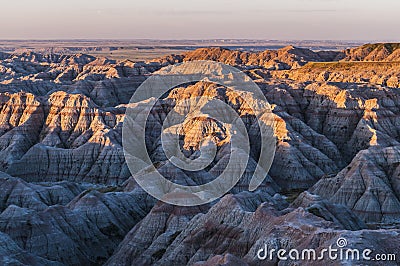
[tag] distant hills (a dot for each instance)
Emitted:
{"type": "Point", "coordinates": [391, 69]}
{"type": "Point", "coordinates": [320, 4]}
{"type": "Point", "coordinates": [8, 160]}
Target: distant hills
{"type": "Point", "coordinates": [289, 57]}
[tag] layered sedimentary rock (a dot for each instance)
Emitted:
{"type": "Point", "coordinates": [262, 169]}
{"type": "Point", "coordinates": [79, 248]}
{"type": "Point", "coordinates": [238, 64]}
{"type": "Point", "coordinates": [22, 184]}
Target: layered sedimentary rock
{"type": "Point", "coordinates": [374, 52]}
{"type": "Point", "coordinates": [12, 254]}
{"type": "Point", "coordinates": [84, 231]}
{"type": "Point", "coordinates": [377, 73]}
{"type": "Point", "coordinates": [68, 198]}
{"type": "Point", "coordinates": [39, 135]}
{"type": "Point", "coordinates": [106, 82]}
{"type": "Point", "coordinates": [16, 191]}
{"type": "Point", "coordinates": [233, 231]}
{"type": "Point", "coordinates": [337, 213]}
{"type": "Point", "coordinates": [286, 58]}
{"type": "Point", "coordinates": [369, 186]}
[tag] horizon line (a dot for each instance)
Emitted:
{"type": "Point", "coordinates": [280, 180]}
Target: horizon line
{"type": "Point", "coordinates": [191, 39]}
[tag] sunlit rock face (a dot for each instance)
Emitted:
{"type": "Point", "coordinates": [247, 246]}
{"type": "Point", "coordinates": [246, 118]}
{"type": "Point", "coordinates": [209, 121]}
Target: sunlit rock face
{"type": "Point", "coordinates": [64, 137]}
{"type": "Point", "coordinates": [374, 52]}
{"type": "Point", "coordinates": [67, 196]}
{"type": "Point", "coordinates": [286, 58]}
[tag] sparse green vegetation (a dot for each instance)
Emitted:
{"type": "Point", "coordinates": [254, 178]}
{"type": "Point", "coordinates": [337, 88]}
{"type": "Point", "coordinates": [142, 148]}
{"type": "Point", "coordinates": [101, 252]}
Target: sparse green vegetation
{"type": "Point", "coordinates": [342, 65]}
{"type": "Point", "coordinates": [388, 46]}
{"type": "Point", "coordinates": [292, 194]}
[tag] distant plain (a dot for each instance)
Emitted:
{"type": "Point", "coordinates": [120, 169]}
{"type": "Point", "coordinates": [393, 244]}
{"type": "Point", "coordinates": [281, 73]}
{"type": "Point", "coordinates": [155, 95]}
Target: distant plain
{"type": "Point", "coordinates": [142, 50]}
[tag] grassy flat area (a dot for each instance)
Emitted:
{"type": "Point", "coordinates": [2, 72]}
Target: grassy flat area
{"type": "Point", "coordinates": [136, 54]}
{"type": "Point", "coordinates": [347, 64]}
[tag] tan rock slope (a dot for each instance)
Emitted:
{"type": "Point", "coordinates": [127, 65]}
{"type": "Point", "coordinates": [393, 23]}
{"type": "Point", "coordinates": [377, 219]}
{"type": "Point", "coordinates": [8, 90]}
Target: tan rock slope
{"type": "Point", "coordinates": [285, 58]}
{"type": "Point", "coordinates": [378, 73]}
{"type": "Point", "coordinates": [374, 52]}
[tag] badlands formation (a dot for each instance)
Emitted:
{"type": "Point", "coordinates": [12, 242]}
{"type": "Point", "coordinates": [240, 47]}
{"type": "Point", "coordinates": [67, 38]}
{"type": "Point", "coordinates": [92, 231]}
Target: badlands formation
{"type": "Point", "coordinates": [68, 198]}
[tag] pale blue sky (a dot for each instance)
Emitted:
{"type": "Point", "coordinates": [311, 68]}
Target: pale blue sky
{"type": "Point", "coordinates": [205, 19]}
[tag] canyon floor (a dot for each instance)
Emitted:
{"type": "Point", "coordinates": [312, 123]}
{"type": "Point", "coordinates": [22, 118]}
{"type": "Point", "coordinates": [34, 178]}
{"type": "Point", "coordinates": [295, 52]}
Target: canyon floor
{"type": "Point", "coordinates": [67, 196]}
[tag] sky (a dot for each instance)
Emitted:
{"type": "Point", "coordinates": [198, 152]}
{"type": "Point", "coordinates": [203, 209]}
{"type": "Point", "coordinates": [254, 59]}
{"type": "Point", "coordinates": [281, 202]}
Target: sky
{"type": "Point", "coordinates": [205, 19]}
